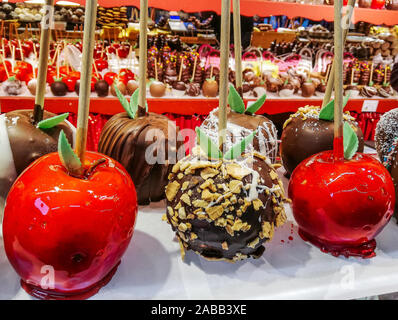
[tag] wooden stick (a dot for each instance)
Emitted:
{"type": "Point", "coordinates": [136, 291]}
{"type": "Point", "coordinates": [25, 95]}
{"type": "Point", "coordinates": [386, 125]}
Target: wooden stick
{"type": "Point", "coordinates": [143, 56]}
{"type": "Point", "coordinates": [238, 47]}
{"type": "Point", "coordinates": [43, 62]}
{"type": "Point", "coordinates": [156, 69]}
{"type": "Point", "coordinates": [194, 68]}
{"type": "Point", "coordinates": [224, 59]}
{"type": "Point", "coordinates": [85, 82]}
{"type": "Point", "coordinates": [371, 74]}
{"type": "Point", "coordinates": [180, 74]}
{"type": "Point", "coordinates": [20, 50]}
{"type": "Point", "coordinates": [5, 65]}
{"type": "Point", "coordinates": [352, 75]}
{"type": "Point", "coordinates": [330, 80]}
{"type": "Point", "coordinates": [338, 82]}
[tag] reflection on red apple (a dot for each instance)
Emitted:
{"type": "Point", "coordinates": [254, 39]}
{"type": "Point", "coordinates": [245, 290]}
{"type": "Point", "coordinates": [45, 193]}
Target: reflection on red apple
{"type": "Point", "coordinates": [80, 227]}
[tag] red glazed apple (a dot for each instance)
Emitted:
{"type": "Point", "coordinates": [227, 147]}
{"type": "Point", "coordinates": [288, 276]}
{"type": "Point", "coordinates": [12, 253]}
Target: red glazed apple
{"type": "Point", "coordinates": [341, 206]}
{"type": "Point", "coordinates": [74, 228]}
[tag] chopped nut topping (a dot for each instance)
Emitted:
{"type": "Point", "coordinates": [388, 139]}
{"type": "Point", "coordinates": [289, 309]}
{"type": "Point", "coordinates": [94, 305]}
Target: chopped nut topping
{"type": "Point", "coordinates": [236, 171]}
{"type": "Point", "coordinates": [225, 245]}
{"type": "Point", "coordinates": [235, 185]}
{"type": "Point", "coordinates": [164, 217]}
{"type": "Point", "coordinates": [186, 199]}
{"type": "Point", "coordinates": [171, 190]}
{"type": "Point", "coordinates": [176, 167]}
{"type": "Point", "coordinates": [273, 175]}
{"type": "Point", "coordinates": [170, 211]}
{"type": "Point", "coordinates": [182, 227]}
{"type": "Point", "coordinates": [267, 229]}
{"type": "Point", "coordinates": [208, 173]}
{"type": "Point", "coordinates": [280, 218]}
{"type": "Point", "coordinates": [181, 213]}
{"type": "Point", "coordinates": [185, 185]}
{"type": "Point", "coordinates": [229, 230]}
{"type": "Point", "coordinates": [180, 175]}
{"type": "Point", "coordinates": [257, 204]}
{"type": "Point", "coordinates": [190, 216]}
{"type": "Point", "coordinates": [200, 203]}
{"type": "Point", "coordinates": [178, 206]}
{"type": "Point", "coordinates": [193, 236]}
{"type": "Point", "coordinates": [254, 243]}
{"type": "Point", "coordinates": [215, 212]}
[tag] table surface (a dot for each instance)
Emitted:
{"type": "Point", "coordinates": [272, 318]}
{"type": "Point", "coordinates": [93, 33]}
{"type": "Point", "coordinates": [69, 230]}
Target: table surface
{"type": "Point", "coordinates": [289, 269]}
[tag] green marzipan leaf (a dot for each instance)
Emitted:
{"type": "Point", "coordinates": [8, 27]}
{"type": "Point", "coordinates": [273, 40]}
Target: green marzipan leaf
{"type": "Point", "coordinates": [68, 157]}
{"type": "Point", "coordinates": [207, 145]}
{"type": "Point", "coordinates": [52, 122]}
{"type": "Point", "coordinates": [124, 102]}
{"type": "Point", "coordinates": [239, 147]}
{"type": "Point", "coordinates": [134, 102]}
{"type": "Point", "coordinates": [235, 101]}
{"type": "Point", "coordinates": [350, 141]}
{"type": "Point", "coordinates": [252, 109]}
{"type": "Point", "coordinates": [327, 112]}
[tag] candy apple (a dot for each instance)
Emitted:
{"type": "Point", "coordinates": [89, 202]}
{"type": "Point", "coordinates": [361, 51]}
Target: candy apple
{"type": "Point", "coordinates": [125, 75]}
{"type": "Point", "coordinates": [341, 206]}
{"type": "Point", "coordinates": [65, 235]}
{"type": "Point", "coordinates": [378, 4]}
{"type": "Point", "coordinates": [110, 77]}
{"type": "Point", "coordinates": [123, 51]}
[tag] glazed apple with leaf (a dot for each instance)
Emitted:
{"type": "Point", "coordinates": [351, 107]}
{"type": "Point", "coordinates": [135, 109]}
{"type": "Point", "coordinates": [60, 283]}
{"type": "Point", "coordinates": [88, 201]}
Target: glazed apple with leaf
{"type": "Point", "coordinates": [74, 219]}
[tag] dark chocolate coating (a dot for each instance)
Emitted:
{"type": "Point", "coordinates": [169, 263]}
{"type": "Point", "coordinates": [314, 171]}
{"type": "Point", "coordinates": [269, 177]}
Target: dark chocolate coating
{"type": "Point", "coordinates": [59, 88]}
{"type": "Point", "coordinates": [29, 143]}
{"type": "Point", "coordinates": [102, 88]}
{"type": "Point", "coordinates": [208, 236]}
{"type": "Point", "coordinates": [304, 138]}
{"type": "Point", "coordinates": [124, 139]}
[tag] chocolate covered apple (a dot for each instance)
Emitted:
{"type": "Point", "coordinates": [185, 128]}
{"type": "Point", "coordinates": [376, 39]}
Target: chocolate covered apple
{"type": "Point", "coordinates": [157, 89]}
{"type": "Point", "coordinates": [74, 228]}
{"type": "Point", "coordinates": [307, 132]}
{"type": "Point", "coordinates": [59, 88]}
{"type": "Point", "coordinates": [224, 208]}
{"type": "Point", "coordinates": [386, 140]}
{"type": "Point", "coordinates": [241, 122]}
{"type": "Point", "coordinates": [127, 138]}
{"type": "Point", "coordinates": [210, 88]}
{"type": "Point", "coordinates": [101, 87]}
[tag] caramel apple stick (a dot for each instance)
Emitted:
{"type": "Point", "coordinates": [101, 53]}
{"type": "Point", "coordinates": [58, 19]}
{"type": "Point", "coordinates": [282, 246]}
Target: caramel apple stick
{"type": "Point", "coordinates": [20, 50]}
{"type": "Point", "coordinates": [224, 59]}
{"type": "Point", "coordinates": [338, 82]}
{"type": "Point", "coordinates": [330, 79]}
{"type": "Point", "coordinates": [85, 82]}
{"type": "Point", "coordinates": [211, 71]}
{"type": "Point", "coordinates": [238, 47]}
{"type": "Point", "coordinates": [371, 74]}
{"type": "Point", "coordinates": [180, 74]}
{"type": "Point", "coordinates": [43, 61]}
{"type": "Point", "coordinates": [385, 74]}
{"type": "Point", "coordinates": [352, 75]}
{"type": "Point", "coordinates": [5, 66]}
{"type": "Point", "coordinates": [194, 68]}
{"type": "Point", "coordinates": [143, 57]}
{"type": "Point", "coordinates": [156, 69]}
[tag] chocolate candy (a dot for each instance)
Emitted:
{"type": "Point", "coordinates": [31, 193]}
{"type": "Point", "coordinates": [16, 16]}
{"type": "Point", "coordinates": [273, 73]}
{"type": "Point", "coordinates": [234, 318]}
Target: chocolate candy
{"type": "Point", "coordinates": [101, 87]}
{"type": "Point", "coordinates": [127, 140]}
{"type": "Point", "coordinates": [224, 210]}
{"type": "Point", "coordinates": [59, 88]}
{"type": "Point", "coordinates": [305, 135]}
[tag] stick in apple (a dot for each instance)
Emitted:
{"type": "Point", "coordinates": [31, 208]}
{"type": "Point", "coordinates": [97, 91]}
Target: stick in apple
{"type": "Point", "coordinates": [182, 64]}
{"type": "Point", "coordinates": [238, 47]}
{"type": "Point", "coordinates": [43, 62]}
{"type": "Point", "coordinates": [224, 59]}
{"type": "Point", "coordinates": [143, 57]}
{"type": "Point", "coordinates": [330, 80]}
{"type": "Point", "coordinates": [338, 82]}
{"type": "Point", "coordinates": [194, 68]}
{"type": "Point", "coordinates": [85, 82]}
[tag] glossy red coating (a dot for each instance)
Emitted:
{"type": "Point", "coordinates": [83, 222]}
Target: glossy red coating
{"type": "Point", "coordinates": [79, 227]}
{"type": "Point", "coordinates": [342, 206]}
